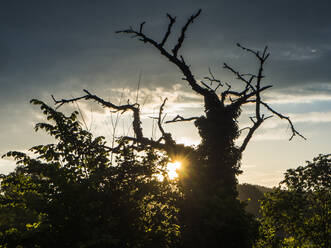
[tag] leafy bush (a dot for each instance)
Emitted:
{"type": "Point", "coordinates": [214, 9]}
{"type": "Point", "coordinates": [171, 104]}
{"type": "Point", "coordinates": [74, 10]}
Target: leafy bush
{"type": "Point", "coordinates": [298, 212]}
{"type": "Point", "coordinates": [71, 195]}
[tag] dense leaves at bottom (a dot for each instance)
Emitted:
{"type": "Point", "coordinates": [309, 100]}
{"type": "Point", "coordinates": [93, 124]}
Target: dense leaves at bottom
{"type": "Point", "coordinates": [70, 194]}
{"type": "Point", "coordinates": [298, 212]}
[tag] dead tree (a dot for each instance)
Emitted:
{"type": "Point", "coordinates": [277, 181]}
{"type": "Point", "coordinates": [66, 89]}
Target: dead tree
{"type": "Point", "coordinates": [213, 166]}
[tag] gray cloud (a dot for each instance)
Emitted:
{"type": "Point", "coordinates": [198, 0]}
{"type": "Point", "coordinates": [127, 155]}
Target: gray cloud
{"type": "Point", "coordinates": [46, 43]}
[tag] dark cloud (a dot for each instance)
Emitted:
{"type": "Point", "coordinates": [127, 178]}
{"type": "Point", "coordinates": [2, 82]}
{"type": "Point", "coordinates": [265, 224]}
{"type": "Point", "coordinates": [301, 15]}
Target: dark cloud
{"type": "Point", "coordinates": [47, 43]}
{"type": "Point", "coordinates": [61, 47]}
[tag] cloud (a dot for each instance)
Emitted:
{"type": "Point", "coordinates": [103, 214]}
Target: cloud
{"type": "Point", "coordinates": [312, 117]}
{"type": "Point", "coordinates": [265, 178]}
{"type": "Point", "coordinates": [76, 41]}
{"type": "Point", "coordinates": [6, 166]}
{"type": "Point", "coordinates": [306, 118]}
{"type": "Point", "coordinates": [286, 98]}
{"type": "Point", "coordinates": [307, 94]}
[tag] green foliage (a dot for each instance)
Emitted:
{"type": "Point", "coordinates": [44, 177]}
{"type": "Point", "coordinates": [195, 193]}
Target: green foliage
{"type": "Point", "coordinates": [298, 212]}
{"type": "Point", "coordinates": [71, 195]}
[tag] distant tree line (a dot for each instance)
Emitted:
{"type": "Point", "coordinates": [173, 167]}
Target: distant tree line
{"type": "Point", "coordinates": [252, 195]}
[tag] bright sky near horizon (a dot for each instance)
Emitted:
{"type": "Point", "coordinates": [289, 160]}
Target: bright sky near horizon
{"type": "Point", "coordinates": [61, 47]}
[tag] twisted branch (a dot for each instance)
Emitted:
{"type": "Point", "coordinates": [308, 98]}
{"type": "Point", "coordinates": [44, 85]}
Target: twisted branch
{"type": "Point", "coordinates": [179, 118]}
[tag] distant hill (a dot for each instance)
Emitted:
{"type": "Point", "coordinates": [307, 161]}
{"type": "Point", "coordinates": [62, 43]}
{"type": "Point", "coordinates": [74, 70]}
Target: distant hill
{"type": "Point", "coordinates": [252, 193]}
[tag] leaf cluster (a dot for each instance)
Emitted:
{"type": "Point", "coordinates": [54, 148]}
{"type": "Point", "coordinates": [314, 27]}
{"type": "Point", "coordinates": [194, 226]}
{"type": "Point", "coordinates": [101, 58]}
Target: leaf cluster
{"type": "Point", "coordinates": [69, 194]}
{"type": "Point", "coordinates": [298, 212]}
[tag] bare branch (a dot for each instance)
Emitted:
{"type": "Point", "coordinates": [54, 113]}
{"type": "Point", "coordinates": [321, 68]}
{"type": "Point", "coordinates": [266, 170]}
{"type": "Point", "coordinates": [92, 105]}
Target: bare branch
{"type": "Point", "coordinates": [182, 35]}
{"type": "Point", "coordinates": [172, 21]}
{"type": "Point", "coordinates": [243, 96]}
{"type": "Point", "coordinates": [166, 136]}
{"type": "Point", "coordinates": [180, 63]}
{"type": "Point", "coordinates": [141, 27]}
{"type": "Point", "coordinates": [160, 119]}
{"type": "Point", "coordinates": [250, 134]}
{"type": "Point", "coordinates": [256, 125]}
{"type": "Point", "coordinates": [256, 92]}
{"type": "Point", "coordinates": [241, 130]}
{"type": "Point", "coordinates": [294, 131]}
{"type": "Point", "coordinates": [239, 76]}
{"type": "Point", "coordinates": [264, 56]}
{"type": "Point", "coordinates": [212, 78]}
{"type": "Point", "coordinates": [256, 53]}
{"type": "Point", "coordinates": [206, 85]}
{"type": "Point", "coordinates": [133, 107]}
{"type": "Point", "coordinates": [179, 118]}
{"type": "Point", "coordinates": [227, 92]}
{"type": "Point", "coordinates": [63, 101]}
{"type": "Point", "coordinates": [169, 146]}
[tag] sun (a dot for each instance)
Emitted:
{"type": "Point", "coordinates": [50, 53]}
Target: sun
{"type": "Point", "coordinates": [172, 168]}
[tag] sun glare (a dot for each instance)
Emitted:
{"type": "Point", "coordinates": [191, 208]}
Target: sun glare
{"type": "Point", "coordinates": [172, 169]}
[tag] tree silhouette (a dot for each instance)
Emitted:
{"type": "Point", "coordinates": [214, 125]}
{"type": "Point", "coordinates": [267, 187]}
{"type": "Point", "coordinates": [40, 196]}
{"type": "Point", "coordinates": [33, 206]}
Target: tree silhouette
{"type": "Point", "coordinates": [71, 194]}
{"type": "Point", "coordinates": [210, 213]}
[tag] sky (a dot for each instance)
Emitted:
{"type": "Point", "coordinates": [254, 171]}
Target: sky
{"type": "Point", "coordinates": [62, 47]}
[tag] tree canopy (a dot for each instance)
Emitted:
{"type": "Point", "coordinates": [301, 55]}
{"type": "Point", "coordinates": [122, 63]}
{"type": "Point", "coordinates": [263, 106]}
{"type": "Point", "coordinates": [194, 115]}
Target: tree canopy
{"type": "Point", "coordinates": [298, 212]}
{"type": "Point", "coordinates": [71, 195]}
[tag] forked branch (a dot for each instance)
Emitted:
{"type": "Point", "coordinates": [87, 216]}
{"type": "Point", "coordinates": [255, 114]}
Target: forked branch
{"type": "Point", "coordinates": [173, 54]}
{"type": "Point", "coordinates": [258, 121]}
{"type": "Point", "coordinates": [293, 130]}
{"type": "Point", "coordinates": [251, 94]}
